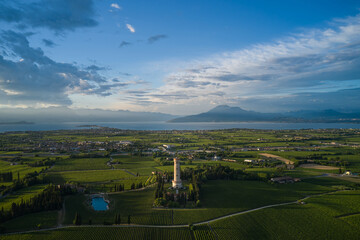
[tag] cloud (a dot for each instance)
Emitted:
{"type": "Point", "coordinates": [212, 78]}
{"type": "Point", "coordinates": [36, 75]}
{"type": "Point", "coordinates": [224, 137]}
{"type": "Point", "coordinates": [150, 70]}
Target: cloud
{"type": "Point", "coordinates": [155, 38]}
{"type": "Point", "coordinates": [56, 15]}
{"type": "Point", "coordinates": [29, 77]}
{"type": "Point", "coordinates": [131, 28]}
{"type": "Point", "coordinates": [316, 60]}
{"type": "Point", "coordinates": [124, 43]}
{"type": "Point", "coordinates": [48, 43]}
{"type": "Point", "coordinates": [305, 100]}
{"type": "Point", "coordinates": [116, 6]}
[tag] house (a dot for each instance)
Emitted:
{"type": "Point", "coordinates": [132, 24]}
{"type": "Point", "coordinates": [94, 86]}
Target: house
{"type": "Point", "coordinates": [250, 161]}
{"type": "Point", "coordinates": [216, 158]}
{"type": "Point", "coordinates": [168, 146]}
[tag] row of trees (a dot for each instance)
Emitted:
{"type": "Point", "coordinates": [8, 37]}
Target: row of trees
{"type": "Point", "coordinates": [30, 179]}
{"type": "Point", "coordinates": [118, 187]}
{"type": "Point", "coordinates": [49, 199]}
{"type": "Point", "coordinates": [117, 220]}
{"type": "Point", "coordinates": [136, 185]}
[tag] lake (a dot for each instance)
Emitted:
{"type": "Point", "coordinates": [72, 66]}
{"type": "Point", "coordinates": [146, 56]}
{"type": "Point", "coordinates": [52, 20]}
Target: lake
{"type": "Point", "coordinates": [174, 126]}
{"type": "Point", "coordinates": [99, 204]}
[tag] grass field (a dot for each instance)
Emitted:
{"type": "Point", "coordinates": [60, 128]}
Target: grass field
{"type": "Point", "coordinates": [15, 169]}
{"type": "Point", "coordinates": [32, 221]}
{"type": "Point", "coordinates": [317, 219]}
{"type": "Point", "coordinates": [142, 165]}
{"type": "Point", "coordinates": [218, 198]}
{"type": "Point", "coordinates": [331, 216]}
{"type": "Point", "coordinates": [23, 194]}
{"type": "Point", "coordinates": [74, 164]}
{"type": "Point", "coordinates": [89, 176]}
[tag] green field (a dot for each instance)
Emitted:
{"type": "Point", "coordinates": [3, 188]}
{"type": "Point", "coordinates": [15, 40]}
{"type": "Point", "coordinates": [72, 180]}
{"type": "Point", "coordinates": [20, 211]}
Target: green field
{"type": "Point", "coordinates": [218, 198]}
{"type": "Point", "coordinates": [332, 201]}
{"type": "Point", "coordinates": [20, 195]}
{"type": "Point", "coordinates": [89, 176]}
{"type": "Point", "coordinates": [314, 220]}
{"type": "Point", "coordinates": [32, 221]}
{"type": "Point", "coordinates": [125, 233]}
{"type": "Point", "coordinates": [74, 164]}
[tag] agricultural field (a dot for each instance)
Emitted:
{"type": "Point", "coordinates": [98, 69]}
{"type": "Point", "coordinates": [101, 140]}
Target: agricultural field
{"type": "Point", "coordinates": [20, 195]}
{"type": "Point", "coordinates": [125, 167]}
{"type": "Point", "coordinates": [125, 233]}
{"type": "Point", "coordinates": [317, 219]}
{"type": "Point", "coordinates": [74, 164]}
{"type": "Point", "coordinates": [89, 176]}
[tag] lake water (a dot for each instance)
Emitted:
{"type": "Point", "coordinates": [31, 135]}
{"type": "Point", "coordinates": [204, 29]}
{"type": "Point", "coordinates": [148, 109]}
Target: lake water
{"type": "Point", "coordinates": [99, 204]}
{"type": "Point", "coordinates": [174, 126]}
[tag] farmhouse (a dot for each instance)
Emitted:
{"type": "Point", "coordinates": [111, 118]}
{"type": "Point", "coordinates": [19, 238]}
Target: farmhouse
{"type": "Point", "coordinates": [216, 158]}
{"type": "Point", "coordinates": [250, 161]}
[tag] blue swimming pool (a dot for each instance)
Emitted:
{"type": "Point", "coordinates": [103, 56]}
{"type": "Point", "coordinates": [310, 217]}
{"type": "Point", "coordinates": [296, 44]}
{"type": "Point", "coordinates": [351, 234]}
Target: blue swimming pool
{"type": "Point", "coordinates": [99, 204]}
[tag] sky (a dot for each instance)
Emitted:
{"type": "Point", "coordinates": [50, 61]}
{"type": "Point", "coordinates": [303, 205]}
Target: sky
{"type": "Point", "coordinates": [180, 57]}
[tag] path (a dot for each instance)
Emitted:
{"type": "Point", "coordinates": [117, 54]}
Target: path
{"type": "Point", "coordinates": [181, 225]}
{"type": "Point", "coordinates": [286, 161]}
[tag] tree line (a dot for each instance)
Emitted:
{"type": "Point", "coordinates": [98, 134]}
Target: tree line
{"type": "Point", "coordinates": [49, 199]}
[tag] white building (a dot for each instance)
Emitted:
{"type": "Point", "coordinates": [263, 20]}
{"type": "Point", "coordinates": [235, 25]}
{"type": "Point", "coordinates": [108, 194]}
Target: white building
{"type": "Point", "coordinates": [249, 161]}
{"type": "Point", "coordinates": [176, 183]}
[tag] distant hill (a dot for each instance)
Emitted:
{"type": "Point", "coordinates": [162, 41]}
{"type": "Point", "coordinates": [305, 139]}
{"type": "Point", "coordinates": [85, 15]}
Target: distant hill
{"type": "Point", "coordinates": [224, 113]}
{"type": "Point", "coordinates": [64, 114]}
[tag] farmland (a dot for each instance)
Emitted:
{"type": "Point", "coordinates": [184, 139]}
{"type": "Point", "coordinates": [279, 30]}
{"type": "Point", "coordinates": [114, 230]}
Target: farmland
{"type": "Point", "coordinates": [125, 167]}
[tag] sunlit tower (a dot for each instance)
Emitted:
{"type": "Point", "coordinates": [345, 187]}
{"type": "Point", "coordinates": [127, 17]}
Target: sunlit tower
{"type": "Point", "coordinates": [176, 183]}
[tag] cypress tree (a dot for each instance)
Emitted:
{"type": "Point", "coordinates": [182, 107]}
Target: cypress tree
{"type": "Point", "coordinates": [77, 219]}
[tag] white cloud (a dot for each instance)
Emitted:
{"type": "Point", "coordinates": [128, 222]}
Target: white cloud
{"type": "Point", "coordinates": [115, 5]}
{"type": "Point", "coordinates": [131, 28]}
{"type": "Point", "coordinates": [315, 59]}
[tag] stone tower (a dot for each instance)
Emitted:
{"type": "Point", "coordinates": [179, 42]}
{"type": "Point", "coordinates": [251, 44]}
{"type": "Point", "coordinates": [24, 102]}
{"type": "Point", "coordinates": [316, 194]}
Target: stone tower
{"type": "Point", "coordinates": [176, 183]}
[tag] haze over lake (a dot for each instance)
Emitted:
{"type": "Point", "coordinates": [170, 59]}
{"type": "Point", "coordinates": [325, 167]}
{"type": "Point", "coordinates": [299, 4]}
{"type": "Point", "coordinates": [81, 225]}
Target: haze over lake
{"type": "Point", "coordinates": [174, 126]}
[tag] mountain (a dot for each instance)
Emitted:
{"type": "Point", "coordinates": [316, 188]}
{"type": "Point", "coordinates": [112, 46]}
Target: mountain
{"type": "Point", "coordinates": [224, 113]}
{"type": "Point", "coordinates": [64, 114]}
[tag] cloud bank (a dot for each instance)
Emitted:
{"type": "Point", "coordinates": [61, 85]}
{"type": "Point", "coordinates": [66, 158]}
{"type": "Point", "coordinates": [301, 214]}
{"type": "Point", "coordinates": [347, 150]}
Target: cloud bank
{"type": "Point", "coordinates": [56, 15]}
{"type": "Point", "coordinates": [305, 69]}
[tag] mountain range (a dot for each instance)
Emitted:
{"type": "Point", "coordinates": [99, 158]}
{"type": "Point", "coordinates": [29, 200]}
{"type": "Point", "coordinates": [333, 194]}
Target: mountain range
{"type": "Point", "coordinates": [224, 113]}
{"type": "Point", "coordinates": [221, 113]}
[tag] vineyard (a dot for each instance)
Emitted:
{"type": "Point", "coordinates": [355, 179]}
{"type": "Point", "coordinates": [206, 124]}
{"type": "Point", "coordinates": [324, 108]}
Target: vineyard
{"type": "Point", "coordinates": [106, 233]}
{"type": "Point", "coordinates": [121, 174]}
{"type": "Point", "coordinates": [309, 221]}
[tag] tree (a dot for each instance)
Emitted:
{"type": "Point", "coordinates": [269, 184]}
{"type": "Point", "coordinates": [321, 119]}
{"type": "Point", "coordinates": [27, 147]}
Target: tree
{"type": "Point", "coordinates": [117, 219]}
{"type": "Point", "coordinates": [77, 219]}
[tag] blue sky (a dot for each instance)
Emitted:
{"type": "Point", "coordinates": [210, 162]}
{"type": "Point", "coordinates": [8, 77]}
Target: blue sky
{"type": "Point", "coordinates": [180, 57]}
